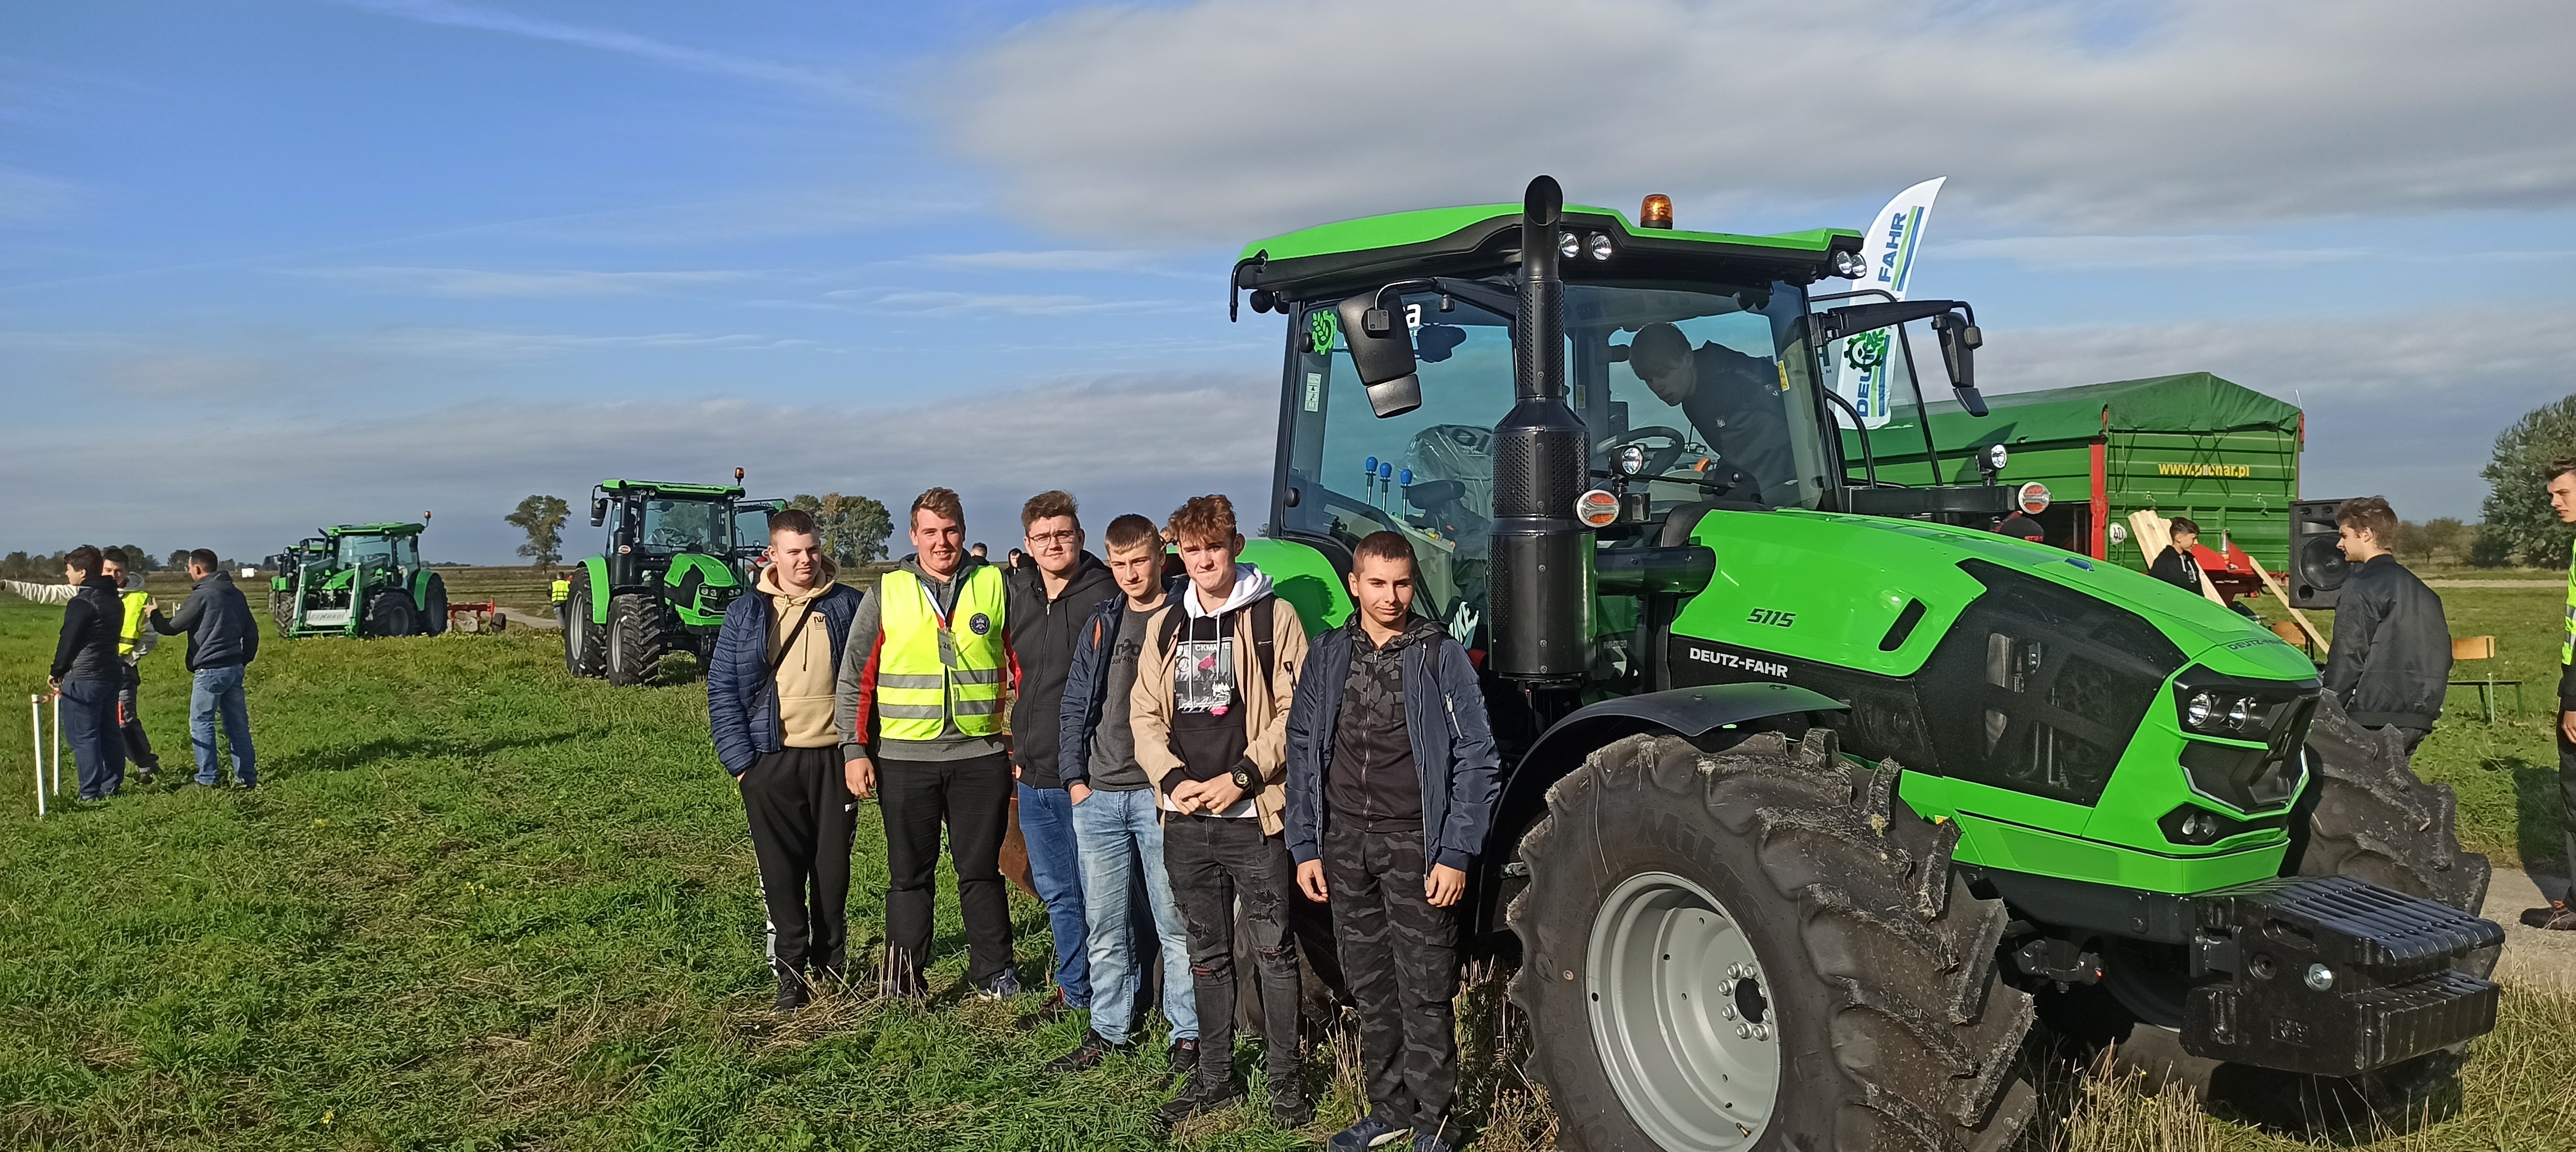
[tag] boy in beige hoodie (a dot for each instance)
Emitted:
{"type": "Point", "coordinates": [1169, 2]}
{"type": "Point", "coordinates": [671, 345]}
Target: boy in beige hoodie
{"type": "Point", "coordinates": [769, 705]}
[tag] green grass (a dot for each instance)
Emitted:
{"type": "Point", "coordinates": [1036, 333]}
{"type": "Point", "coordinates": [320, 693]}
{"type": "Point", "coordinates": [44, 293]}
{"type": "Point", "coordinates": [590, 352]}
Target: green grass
{"type": "Point", "coordinates": [476, 904]}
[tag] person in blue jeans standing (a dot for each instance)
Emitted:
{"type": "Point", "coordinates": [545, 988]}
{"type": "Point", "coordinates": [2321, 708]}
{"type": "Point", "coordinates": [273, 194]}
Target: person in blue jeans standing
{"type": "Point", "coordinates": [1116, 826]}
{"type": "Point", "coordinates": [87, 673]}
{"type": "Point", "coordinates": [1050, 596]}
{"type": "Point", "coordinates": [223, 638]}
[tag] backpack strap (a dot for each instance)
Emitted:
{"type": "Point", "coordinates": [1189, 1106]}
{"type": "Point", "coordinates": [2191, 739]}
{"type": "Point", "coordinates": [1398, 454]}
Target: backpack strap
{"type": "Point", "coordinates": [1265, 638]}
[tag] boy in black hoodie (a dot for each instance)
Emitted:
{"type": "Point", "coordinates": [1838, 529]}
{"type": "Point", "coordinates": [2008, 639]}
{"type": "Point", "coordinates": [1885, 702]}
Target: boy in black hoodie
{"type": "Point", "coordinates": [86, 674]}
{"type": "Point", "coordinates": [1050, 597]}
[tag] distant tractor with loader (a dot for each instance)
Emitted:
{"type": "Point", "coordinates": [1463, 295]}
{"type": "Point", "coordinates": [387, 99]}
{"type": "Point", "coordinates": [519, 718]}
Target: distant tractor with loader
{"type": "Point", "coordinates": [675, 559]}
{"type": "Point", "coordinates": [357, 580]}
{"type": "Point", "coordinates": [1817, 793]}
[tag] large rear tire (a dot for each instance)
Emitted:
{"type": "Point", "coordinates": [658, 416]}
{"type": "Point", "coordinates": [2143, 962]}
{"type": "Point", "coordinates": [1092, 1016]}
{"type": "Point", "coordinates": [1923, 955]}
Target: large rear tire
{"type": "Point", "coordinates": [639, 632]}
{"type": "Point", "coordinates": [433, 610]}
{"type": "Point", "coordinates": [2367, 815]}
{"type": "Point", "coordinates": [390, 613]}
{"type": "Point", "coordinates": [281, 608]}
{"type": "Point", "coordinates": [585, 650]}
{"type": "Point", "coordinates": [1759, 948]}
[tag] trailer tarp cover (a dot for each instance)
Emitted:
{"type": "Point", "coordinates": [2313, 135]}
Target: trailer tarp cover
{"type": "Point", "coordinates": [2187, 403]}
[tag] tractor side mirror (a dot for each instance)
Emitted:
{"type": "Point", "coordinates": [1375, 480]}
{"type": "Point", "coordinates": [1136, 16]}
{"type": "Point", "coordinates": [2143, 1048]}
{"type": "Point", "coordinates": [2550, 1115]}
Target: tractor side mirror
{"type": "Point", "coordinates": [598, 511]}
{"type": "Point", "coordinates": [1382, 349]}
{"type": "Point", "coordinates": [1959, 343]}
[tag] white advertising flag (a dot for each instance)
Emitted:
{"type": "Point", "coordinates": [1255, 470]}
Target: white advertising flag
{"type": "Point", "coordinates": [1862, 364]}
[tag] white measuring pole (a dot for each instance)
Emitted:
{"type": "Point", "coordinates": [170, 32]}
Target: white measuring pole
{"type": "Point", "coordinates": [58, 743]}
{"type": "Point", "coordinates": [36, 744]}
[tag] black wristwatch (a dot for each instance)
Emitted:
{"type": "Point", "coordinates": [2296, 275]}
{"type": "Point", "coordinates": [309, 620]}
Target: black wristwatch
{"type": "Point", "coordinates": [1243, 780]}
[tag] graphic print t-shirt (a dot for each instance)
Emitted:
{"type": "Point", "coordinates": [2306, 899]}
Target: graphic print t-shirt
{"type": "Point", "coordinates": [1208, 733]}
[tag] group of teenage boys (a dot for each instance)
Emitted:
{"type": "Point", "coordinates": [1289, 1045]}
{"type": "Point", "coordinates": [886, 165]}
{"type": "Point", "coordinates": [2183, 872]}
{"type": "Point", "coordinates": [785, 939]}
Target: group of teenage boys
{"type": "Point", "coordinates": [1176, 747]}
{"type": "Point", "coordinates": [109, 624]}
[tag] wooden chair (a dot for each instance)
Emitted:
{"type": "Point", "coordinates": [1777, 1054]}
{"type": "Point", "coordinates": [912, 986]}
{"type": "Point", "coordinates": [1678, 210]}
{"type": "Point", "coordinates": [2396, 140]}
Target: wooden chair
{"type": "Point", "coordinates": [2467, 648]}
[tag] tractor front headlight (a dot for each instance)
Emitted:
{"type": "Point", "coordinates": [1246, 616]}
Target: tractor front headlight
{"type": "Point", "coordinates": [2196, 712]}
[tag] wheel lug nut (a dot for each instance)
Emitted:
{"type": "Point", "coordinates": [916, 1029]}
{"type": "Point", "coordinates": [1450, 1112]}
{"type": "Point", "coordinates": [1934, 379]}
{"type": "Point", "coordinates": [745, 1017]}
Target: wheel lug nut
{"type": "Point", "coordinates": [1726, 1011]}
{"type": "Point", "coordinates": [1743, 1031]}
{"type": "Point", "coordinates": [1761, 1031]}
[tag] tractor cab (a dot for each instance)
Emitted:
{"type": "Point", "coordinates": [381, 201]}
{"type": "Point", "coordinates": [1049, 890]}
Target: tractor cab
{"type": "Point", "coordinates": [676, 555]}
{"type": "Point", "coordinates": [358, 580]}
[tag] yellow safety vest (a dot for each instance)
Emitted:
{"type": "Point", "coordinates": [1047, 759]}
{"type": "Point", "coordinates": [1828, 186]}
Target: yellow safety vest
{"type": "Point", "coordinates": [134, 615]}
{"type": "Point", "coordinates": [932, 671]}
{"type": "Point", "coordinates": [562, 590]}
{"type": "Point", "coordinates": [2567, 638]}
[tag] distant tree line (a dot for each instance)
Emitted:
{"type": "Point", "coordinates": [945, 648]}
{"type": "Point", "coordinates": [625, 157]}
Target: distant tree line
{"type": "Point", "coordinates": [47, 567]}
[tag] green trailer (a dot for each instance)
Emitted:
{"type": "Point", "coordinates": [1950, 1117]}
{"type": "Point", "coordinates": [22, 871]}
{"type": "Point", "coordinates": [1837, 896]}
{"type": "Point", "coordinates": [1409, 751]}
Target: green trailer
{"type": "Point", "coordinates": [357, 580]}
{"type": "Point", "coordinates": [2189, 445]}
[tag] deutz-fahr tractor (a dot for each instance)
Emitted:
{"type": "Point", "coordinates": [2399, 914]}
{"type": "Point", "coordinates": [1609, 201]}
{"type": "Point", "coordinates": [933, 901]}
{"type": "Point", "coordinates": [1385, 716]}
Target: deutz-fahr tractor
{"type": "Point", "coordinates": [675, 560]}
{"type": "Point", "coordinates": [1818, 794]}
{"type": "Point", "coordinates": [357, 580]}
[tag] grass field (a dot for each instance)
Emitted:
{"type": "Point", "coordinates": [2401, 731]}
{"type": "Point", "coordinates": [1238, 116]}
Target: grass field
{"type": "Point", "coordinates": [476, 905]}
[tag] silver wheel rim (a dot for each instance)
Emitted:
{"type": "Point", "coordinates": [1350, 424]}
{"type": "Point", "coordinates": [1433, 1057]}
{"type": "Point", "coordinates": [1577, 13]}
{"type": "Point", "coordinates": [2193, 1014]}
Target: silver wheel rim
{"type": "Point", "coordinates": [576, 618]}
{"type": "Point", "coordinates": [616, 646]}
{"type": "Point", "coordinates": [1682, 1015]}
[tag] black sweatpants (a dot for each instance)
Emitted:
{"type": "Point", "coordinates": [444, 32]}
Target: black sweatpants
{"type": "Point", "coordinates": [1400, 959]}
{"type": "Point", "coordinates": [1211, 859]}
{"type": "Point", "coordinates": [2567, 800]}
{"type": "Point", "coordinates": [974, 798]}
{"type": "Point", "coordinates": [802, 820]}
{"type": "Point", "coordinates": [129, 716]}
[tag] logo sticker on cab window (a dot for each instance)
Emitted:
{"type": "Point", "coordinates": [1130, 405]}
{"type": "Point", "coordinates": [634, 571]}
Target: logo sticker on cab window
{"type": "Point", "coordinates": [1322, 327]}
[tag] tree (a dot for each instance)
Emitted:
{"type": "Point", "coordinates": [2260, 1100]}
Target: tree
{"type": "Point", "coordinates": [2518, 517]}
{"type": "Point", "coordinates": [542, 518]}
{"type": "Point", "coordinates": [854, 527]}
{"type": "Point", "coordinates": [178, 558]}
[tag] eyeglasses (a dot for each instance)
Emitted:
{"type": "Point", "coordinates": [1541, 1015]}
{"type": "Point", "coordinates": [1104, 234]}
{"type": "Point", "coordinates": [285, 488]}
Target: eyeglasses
{"type": "Point", "coordinates": [1050, 539]}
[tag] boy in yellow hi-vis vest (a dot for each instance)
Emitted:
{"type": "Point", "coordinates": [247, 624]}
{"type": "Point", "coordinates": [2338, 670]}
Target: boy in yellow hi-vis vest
{"type": "Point", "coordinates": [2559, 916]}
{"type": "Point", "coordinates": [923, 705]}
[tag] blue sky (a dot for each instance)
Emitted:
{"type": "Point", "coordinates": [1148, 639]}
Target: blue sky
{"type": "Point", "coordinates": [270, 263]}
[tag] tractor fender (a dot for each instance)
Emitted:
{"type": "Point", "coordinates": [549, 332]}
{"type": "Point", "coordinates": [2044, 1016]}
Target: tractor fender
{"type": "Point", "coordinates": [600, 592]}
{"type": "Point", "coordinates": [420, 589]}
{"type": "Point", "coordinates": [1686, 712]}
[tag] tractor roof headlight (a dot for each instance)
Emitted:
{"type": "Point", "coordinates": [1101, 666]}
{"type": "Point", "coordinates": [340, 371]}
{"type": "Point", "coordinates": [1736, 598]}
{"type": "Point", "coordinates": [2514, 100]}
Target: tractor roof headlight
{"type": "Point", "coordinates": [1597, 246]}
{"type": "Point", "coordinates": [1568, 246]}
{"type": "Point", "coordinates": [1632, 460]}
{"type": "Point", "coordinates": [1850, 264]}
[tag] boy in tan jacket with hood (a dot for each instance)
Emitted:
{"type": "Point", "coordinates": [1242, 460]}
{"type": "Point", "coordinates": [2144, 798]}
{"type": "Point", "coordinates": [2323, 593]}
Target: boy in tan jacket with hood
{"type": "Point", "coordinates": [1210, 715]}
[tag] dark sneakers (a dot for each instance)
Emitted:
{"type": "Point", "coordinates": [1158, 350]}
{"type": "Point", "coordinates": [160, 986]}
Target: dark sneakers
{"type": "Point", "coordinates": [1090, 1052]}
{"type": "Point", "coordinates": [1432, 1141]}
{"type": "Point", "coordinates": [1194, 1100]}
{"type": "Point", "coordinates": [1290, 1110]}
{"type": "Point", "coordinates": [1048, 1013]}
{"type": "Point", "coordinates": [2558, 917]}
{"type": "Point", "coordinates": [1368, 1133]}
{"type": "Point", "coordinates": [793, 992]}
{"type": "Point", "coordinates": [1002, 987]}
{"type": "Point", "coordinates": [1183, 1059]}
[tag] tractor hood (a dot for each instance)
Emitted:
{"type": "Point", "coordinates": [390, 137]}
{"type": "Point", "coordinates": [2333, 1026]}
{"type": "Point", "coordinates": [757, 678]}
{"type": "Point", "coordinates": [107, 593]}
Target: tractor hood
{"type": "Point", "coordinates": [1869, 569]}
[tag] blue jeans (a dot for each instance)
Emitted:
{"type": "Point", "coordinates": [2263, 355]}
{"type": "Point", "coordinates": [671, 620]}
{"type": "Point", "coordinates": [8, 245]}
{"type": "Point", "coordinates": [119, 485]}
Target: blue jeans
{"type": "Point", "coordinates": [1046, 824]}
{"type": "Point", "coordinates": [89, 726]}
{"type": "Point", "coordinates": [1121, 836]}
{"type": "Point", "coordinates": [220, 690]}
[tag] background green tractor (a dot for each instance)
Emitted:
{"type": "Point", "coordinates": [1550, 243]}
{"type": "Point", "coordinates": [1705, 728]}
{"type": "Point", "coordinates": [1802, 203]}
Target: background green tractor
{"type": "Point", "coordinates": [675, 560]}
{"type": "Point", "coordinates": [1818, 793]}
{"type": "Point", "coordinates": [357, 580]}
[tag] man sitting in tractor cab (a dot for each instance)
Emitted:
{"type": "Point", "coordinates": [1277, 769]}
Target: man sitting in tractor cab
{"type": "Point", "coordinates": [1732, 400]}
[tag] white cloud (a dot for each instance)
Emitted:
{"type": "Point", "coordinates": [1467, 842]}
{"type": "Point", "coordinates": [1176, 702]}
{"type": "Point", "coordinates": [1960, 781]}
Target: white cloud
{"type": "Point", "coordinates": [930, 303]}
{"type": "Point", "coordinates": [1121, 443]}
{"type": "Point", "coordinates": [493, 282]}
{"type": "Point", "coordinates": [681, 56]}
{"type": "Point", "coordinates": [2105, 253]}
{"type": "Point", "coordinates": [1064, 260]}
{"type": "Point", "coordinates": [1226, 119]}
{"type": "Point", "coordinates": [30, 198]}
{"type": "Point", "coordinates": [480, 343]}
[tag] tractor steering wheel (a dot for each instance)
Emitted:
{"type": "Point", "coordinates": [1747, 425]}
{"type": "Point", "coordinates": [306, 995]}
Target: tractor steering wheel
{"type": "Point", "coordinates": [1659, 460]}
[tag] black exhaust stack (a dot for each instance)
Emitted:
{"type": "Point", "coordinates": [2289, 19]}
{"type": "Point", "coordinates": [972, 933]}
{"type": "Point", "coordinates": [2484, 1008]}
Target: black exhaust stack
{"type": "Point", "coordinates": [1541, 593]}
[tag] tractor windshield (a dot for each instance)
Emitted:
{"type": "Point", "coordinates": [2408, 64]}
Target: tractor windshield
{"type": "Point", "coordinates": [1710, 380]}
{"type": "Point", "coordinates": [374, 555]}
{"type": "Point", "coordinates": [676, 525]}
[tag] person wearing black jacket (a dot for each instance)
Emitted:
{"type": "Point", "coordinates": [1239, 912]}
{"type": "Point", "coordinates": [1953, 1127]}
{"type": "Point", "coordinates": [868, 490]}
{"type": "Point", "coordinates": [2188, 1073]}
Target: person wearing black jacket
{"type": "Point", "coordinates": [1392, 773]}
{"type": "Point", "coordinates": [770, 710]}
{"type": "Point", "coordinates": [1050, 598]}
{"type": "Point", "coordinates": [2390, 661]}
{"type": "Point", "coordinates": [87, 674]}
{"type": "Point", "coordinates": [2176, 565]}
{"type": "Point", "coordinates": [223, 638]}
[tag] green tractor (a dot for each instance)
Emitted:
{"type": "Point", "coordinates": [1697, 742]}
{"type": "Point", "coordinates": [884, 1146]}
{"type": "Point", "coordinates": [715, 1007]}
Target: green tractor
{"type": "Point", "coordinates": [357, 580]}
{"type": "Point", "coordinates": [1818, 794]}
{"type": "Point", "coordinates": [677, 556]}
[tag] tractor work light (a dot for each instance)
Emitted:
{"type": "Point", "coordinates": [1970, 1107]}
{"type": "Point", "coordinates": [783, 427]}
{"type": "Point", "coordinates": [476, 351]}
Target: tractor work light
{"type": "Point", "coordinates": [1850, 265]}
{"type": "Point", "coordinates": [1597, 246]}
{"type": "Point", "coordinates": [1632, 460]}
{"type": "Point", "coordinates": [1568, 246]}
{"type": "Point", "coordinates": [1656, 212]}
